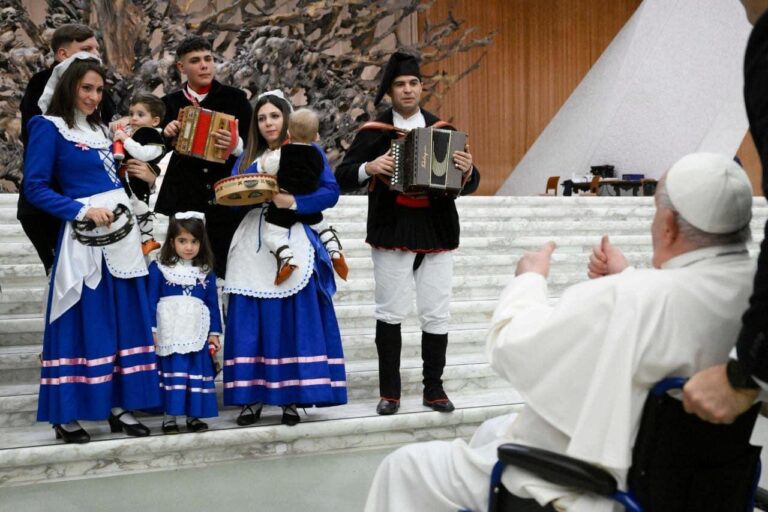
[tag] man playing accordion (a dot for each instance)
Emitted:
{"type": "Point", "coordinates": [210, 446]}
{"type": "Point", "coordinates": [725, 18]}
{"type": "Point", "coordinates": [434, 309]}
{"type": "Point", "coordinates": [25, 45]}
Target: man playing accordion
{"type": "Point", "coordinates": [411, 237]}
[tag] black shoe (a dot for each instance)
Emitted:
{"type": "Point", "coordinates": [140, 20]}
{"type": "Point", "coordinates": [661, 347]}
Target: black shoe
{"type": "Point", "coordinates": [170, 427]}
{"type": "Point", "coordinates": [79, 436]}
{"type": "Point", "coordinates": [290, 415]}
{"type": "Point", "coordinates": [134, 430]}
{"type": "Point", "coordinates": [443, 404]}
{"type": "Point", "coordinates": [387, 407]}
{"type": "Point", "coordinates": [195, 425]}
{"type": "Point", "coordinates": [249, 415]}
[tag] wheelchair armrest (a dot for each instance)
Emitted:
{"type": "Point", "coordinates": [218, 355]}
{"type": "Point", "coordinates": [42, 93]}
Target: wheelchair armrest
{"type": "Point", "coordinates": [761, 499]}
{"type": "Point", "coordinates": [559, 469]}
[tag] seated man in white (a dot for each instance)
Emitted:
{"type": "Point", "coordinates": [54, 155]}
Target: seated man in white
{"type": "Point", "coordinates": [585, 365]}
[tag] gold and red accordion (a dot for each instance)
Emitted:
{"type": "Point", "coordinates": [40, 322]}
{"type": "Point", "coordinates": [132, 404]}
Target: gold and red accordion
{"type": "Point", "coordinates": [196, 133]}
{"type": "Point", "coordinates": [424, 162]}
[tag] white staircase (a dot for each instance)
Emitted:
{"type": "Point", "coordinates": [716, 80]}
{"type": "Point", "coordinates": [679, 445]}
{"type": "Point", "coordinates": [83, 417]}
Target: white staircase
{"type": "Point", "coordinates": [495, 232]}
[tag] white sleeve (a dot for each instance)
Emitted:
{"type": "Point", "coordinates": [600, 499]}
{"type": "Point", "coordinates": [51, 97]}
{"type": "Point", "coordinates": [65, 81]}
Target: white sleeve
{"type": "Point", "coordinates": [239, 148]}
{"type": "Point", "coordinates": [763, 396]}
{"type": "Point", "coordinates": [145, 153]}
{"type": "Point", "coordinates": [362, 176]}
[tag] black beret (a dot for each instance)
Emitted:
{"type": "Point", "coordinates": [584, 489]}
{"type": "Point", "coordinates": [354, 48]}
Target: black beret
{"type": "Point", "coordinates": [399, 64]}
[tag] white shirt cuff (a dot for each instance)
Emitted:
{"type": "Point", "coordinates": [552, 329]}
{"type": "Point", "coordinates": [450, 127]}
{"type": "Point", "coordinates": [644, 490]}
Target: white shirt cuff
{"type": "Point", "coordinates": [214, 333]}
{"type": "Point", "coordinates": [362, 176]}
{"type": "Point", "coordinates": [239, 148]}
{"type": "Point", "coordinates": [763, 396]}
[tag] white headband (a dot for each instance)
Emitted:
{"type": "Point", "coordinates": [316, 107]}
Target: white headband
{"type": "Point", "coordinates": [58, 71]}
{"type": "Point", "coordinates": [279, 94]}
{"type": "Point", "coordinates": [189, 215]}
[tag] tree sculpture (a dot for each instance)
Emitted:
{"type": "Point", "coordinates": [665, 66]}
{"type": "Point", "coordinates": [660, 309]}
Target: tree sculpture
{"type": "Point", "coordinates": [327, 54]}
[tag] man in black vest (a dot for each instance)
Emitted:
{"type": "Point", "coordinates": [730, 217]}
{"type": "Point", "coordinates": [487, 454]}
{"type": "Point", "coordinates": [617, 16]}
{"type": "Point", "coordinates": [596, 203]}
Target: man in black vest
{"type": "Point", "coordinates": [188, 183]}
{"type": "Point", "coordinates": [411, 238]}
{"type": "Point", "coordinates": [41, 228]}
{"type": "Point", "coordinates": [721, 393]}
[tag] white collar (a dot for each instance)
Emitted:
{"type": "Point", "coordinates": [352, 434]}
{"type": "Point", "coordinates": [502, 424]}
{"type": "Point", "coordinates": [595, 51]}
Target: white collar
{"type": "Point", "coordinates": [197, 96]}
{"type": "Point", "coordinates": [415, 121]}
{"type": "Point", "coordinates": [82, 132]}
{"type": "Point", "coordinates": [693, 257]}
{"type": "Point", "coordinates": [182, 273]}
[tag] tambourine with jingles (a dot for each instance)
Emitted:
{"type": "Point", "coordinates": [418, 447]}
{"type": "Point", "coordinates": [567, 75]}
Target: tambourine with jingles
{"type": "Point", "coordinates": [87, 233]}
{"type": "Point", "coordinates": [245, 189]}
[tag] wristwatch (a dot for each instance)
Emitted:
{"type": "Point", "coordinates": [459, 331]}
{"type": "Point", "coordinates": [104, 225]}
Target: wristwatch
{"type": "Point", "coordinates": [738, 377]}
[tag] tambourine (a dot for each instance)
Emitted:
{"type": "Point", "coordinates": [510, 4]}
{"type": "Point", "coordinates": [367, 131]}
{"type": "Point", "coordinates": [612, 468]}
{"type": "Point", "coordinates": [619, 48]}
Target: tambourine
{"type": "Point", "coordinates": [245, 189]}
{"type": "Point", "coordinates": [87, 233]}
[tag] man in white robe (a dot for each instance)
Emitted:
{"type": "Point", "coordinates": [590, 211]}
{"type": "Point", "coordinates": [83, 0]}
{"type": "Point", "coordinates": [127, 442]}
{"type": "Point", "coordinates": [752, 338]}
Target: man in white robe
{"type": "Point", "coordinates": [586, 364]}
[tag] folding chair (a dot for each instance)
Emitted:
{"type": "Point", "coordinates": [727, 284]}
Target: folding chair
{"type": "Point", "coordinates": [552, 183]}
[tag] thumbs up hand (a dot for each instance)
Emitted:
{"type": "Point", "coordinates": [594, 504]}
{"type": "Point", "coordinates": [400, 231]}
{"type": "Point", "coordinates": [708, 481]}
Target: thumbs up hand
{"type": "Point", "coordinates": [605, 260]}
{"type": "Point", "coordinates": [536, 261]}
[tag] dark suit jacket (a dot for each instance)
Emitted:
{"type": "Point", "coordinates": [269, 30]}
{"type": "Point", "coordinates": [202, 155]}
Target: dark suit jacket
{"type": "Point", "coordinates": [752, 346]}
{"type": "Point", "coordinates": [188, 182]}
{"type": "Point", "coordinates": [392, 225]}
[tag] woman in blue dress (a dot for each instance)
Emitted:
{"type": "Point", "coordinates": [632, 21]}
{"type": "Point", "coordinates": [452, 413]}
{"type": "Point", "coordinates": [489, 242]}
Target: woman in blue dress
{"type": "Point", "coordinates": [98, 356]}
{"type": "Point", "coordinates": [283, 345]}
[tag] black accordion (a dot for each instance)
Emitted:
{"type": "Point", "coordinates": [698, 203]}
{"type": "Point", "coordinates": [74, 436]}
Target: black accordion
{"type": "Point", "coordinates": [424, 162]}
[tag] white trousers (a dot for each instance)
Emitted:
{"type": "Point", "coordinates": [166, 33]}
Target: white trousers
{"type": "Point", "coordinates": [275, 236]}
{"type": "Point", "coordinates": [446, 476]}
{"type": "Point", "coordinates": [438, 476]}
{"type": "Point", "coordinates": [394, 278]}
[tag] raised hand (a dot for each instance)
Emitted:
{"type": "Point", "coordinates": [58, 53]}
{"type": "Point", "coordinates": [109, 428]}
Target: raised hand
{"type": "Point", "coordinates": [536, 261]}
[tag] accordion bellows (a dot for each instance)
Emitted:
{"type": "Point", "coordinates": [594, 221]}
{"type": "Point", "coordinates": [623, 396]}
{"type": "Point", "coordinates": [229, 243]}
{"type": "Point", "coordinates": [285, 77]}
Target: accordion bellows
{"type": "Point", "coordinates": [424, 162]}
{"type": "Point", "coordinates": [196, 133]}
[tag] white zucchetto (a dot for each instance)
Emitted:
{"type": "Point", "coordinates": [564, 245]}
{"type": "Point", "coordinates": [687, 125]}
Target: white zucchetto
{"type": "Point", "coordinates": [711, 192]}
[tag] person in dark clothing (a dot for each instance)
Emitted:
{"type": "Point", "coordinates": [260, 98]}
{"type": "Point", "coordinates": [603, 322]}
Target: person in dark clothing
{"type": "Point", "coordinates": [188, 183]}
{"type": "Point", "coordinates": [721, 393]}
{"type": "Point", "coordinates": [412, 238]}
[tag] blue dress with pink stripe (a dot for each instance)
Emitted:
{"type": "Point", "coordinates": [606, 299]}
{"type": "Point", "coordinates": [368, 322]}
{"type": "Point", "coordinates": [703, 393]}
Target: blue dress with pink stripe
{"type": "Point", "coordinates": [288, 350]}
{"type": "Point", "coordinates": [187, 379]}
{"type": "Point", "coordinates": [99, 353]}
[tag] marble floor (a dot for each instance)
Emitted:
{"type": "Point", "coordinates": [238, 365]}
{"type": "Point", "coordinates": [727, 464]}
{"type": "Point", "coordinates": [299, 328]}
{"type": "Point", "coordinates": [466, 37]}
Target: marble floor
{"type": "Point", "coordinates": [335, 482]}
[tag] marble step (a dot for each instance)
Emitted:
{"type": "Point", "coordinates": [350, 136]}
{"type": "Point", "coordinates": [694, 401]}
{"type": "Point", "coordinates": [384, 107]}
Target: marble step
{"type": "Point", "coordinates": [464, 261]}
{"type": "Point", "coordinates": [474, 205]}
{"type": "Point", "coordinates": [355, 425]}
{"type": "Point", "coordinates": [9, 200]}
{"type": "Point", "coordinates": [359, 345]}
{"type": "Point", "coordinates": [350, 316]}
{"type": "Point", "coordinates": [350, 224]}
{"type": "Point", "coordinates": [464, 374]}
{"type": "Point", "coordinates": [475, 277]}
{"type": "Point", "coordinates": [469, 229]}
{"type": "Point", "coordinates": [23, 252]}
{"type": "Point", "coordinates": [26, 329]}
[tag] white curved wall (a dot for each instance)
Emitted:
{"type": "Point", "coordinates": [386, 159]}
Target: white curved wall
{"type": "Point", "coordinates": [669, 84]}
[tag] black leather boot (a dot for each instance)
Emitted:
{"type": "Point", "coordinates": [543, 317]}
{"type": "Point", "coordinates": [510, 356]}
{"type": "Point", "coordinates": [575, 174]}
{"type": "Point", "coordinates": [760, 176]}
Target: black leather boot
{"type": "Point", "coordinates": [388, 345]}
{"type": "Point", "coordinates": [433, 348]}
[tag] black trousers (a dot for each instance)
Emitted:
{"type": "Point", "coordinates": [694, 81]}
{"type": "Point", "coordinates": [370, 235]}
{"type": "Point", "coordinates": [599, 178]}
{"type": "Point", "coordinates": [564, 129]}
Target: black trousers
{"type": "Point", "coordinates": [43, 231]}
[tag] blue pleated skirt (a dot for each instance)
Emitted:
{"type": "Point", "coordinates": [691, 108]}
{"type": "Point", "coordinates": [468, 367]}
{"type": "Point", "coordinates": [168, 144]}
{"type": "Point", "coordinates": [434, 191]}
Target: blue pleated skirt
{"type": "Point", "coordinates": [288, 350]}
{"type": "Point", "coordinates": [99, 354]}
{"type": "Point", "coordinates": [187, 384]}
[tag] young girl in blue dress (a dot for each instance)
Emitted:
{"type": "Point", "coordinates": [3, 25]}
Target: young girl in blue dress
{"type": "Point", "coordinates": [186, 322]}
